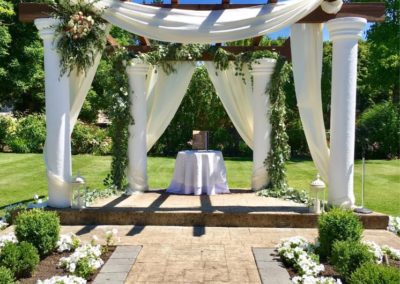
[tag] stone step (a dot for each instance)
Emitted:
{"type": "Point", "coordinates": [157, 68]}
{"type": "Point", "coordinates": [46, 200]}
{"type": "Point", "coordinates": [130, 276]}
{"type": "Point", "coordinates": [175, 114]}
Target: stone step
{"type": "Point", "coordinates": [130, 216]}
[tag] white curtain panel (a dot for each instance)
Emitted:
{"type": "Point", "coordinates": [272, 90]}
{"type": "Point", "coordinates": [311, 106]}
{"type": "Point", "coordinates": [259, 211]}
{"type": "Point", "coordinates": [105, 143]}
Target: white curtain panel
{"type": "Point", "coordinates": [188, 26]}
{"type": "Point", "coordinates": [164, 95]}
{"type": "Point", "coordinates": [81, 86]}
{"type": "Point", "coordinates": [306, 40]}
{"type": "Point", "coordinates": [236, 98]}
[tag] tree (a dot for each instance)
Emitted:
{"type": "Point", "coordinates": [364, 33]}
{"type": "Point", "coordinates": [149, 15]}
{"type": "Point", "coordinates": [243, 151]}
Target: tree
{"type": "Point", "coordinates": [384, 58]}
{"type": "Point", "coordinates": [22, 76]}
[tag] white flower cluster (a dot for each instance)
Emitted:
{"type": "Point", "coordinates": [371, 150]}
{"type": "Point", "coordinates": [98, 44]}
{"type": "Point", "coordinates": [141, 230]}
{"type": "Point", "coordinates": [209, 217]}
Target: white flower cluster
{"type": "Point", "coordinates": [3, 224]}
{"type": "Point", "coordinates": [9, 238]}
{"type": "Point", "coordinates": [391, 252]}
{"type": "Point", "coordinates": [306, 279]}
{"type": "Point", "coordinates": [63, 280]}
{"type": "Point", "coordinates": [394, 225]}
{"type": "Point", "coordinates": [298, 252]}
{"type": "Point", "coordinates": [88, 251]}
{"type": "Point", "coordinates": [111, 237]}
{"type": "Point", "coordinates": [68, 242]}
{"type": "Point", "coordinates": [79, 25]}
{"type": "Point", "coordinates": [376, 250]}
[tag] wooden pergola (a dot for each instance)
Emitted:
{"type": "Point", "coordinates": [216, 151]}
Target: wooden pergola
{"type": "Point", "coordinates": [372, 12]}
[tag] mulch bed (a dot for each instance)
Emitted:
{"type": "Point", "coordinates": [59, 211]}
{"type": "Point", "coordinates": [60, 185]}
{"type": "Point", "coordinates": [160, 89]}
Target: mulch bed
{"type": "Point", "coordinates": [47, 267]}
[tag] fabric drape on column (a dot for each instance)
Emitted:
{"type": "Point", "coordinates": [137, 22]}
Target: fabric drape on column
{"type": "Point", "coordinates": [236, 98]}
{"type": "Point", "coordinates": [188, 26]}
{"type": "Point", "coordinates": [164, 95]}
{"type": "Point", "coordinates": [306, 40]}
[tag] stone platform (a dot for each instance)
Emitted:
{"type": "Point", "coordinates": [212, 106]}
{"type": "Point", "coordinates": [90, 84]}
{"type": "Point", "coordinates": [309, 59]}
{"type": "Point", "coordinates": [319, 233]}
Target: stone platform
{"type": "Point", "coordinates": [241, 208]}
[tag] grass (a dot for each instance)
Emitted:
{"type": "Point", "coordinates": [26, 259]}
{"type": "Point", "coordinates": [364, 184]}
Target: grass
{"type": "Point", "coordinates": [22, 176]}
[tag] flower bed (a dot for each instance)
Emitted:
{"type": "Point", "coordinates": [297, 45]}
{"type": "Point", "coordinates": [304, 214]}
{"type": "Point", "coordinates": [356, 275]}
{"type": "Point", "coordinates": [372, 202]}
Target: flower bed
{"type": "Point", "coordinates": [36, 253]}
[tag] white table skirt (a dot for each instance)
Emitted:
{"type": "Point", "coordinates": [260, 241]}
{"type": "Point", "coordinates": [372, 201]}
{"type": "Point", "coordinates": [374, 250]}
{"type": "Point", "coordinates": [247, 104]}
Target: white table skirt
{"type": "Point", "coordinates": [199, 172]}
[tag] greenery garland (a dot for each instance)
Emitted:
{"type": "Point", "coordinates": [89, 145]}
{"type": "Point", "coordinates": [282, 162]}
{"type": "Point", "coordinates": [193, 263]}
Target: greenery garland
{"type": "Point", "coordinates": [119, 113]}
{"type": "Point", "coordinates": [81, 34]}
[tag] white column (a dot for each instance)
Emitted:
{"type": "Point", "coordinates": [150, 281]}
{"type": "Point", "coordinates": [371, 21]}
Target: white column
{"type": "Point", "coordinates": [262, 127]}
{"type": "Point", "coordinates": [58, 139]}
{"type": "Point", "coordinates": [137, 169]}
{"type": "Point", "coordinates": [344, 33]}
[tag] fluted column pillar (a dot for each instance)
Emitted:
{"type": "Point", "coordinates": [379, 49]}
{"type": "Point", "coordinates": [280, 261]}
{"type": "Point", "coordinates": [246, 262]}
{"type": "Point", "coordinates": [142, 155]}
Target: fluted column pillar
{"type": "Point", "coordinates": [137, 169]}
{"type": "Point", "coordinates": [262, 127]}
{"type": "Point", "coordinates": [344, 34]}
{"type": "Point", "coordinates": [58, 138]}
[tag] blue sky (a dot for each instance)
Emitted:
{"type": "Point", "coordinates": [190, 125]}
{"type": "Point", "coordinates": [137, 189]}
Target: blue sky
{"type": "Point", "coordinates": [282, 33]}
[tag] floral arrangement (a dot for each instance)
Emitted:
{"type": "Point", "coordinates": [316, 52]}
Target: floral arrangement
{"type": "Point", "coordinates": [394, 225]}
{"type": "Point", "coordinates": [299, 253]}
{"type": "Point", "coordinates": [69, 242]}
{"type": "Point", "coordinates": [63, 280]}
{"type": "Point", "coordinates": [81, 34]}
{"type": "Point", "coordinates": [88, 254]}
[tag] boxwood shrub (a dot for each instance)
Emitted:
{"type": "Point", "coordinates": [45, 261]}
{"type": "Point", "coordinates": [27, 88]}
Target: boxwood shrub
{"type": "Point", "coordinates": [337, 225]}
{"type": "Point", "coordinates": [371, 273]}
{"type": "Point", "coordinates": [347, 256]}
{"type": "Point", "coordinates": [40, 228]}
{"type": "Point", "coordinates": [21, 259]}
{"type": "Point", "coordinates": [6, 276]}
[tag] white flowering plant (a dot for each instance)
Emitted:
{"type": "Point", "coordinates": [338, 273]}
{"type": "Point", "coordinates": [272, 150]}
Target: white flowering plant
{"type": "Point", "coordinates": [299, 253]}
{"type": "Point", "coordinates": [307, 279]}
{"type": "Point", "coordinates": [376, 250]}
{"type": "Point", "coordinates": [83, 261]}
{"type": "Point", "coordinates": [394, 225]}
{"type": "Point", "coordinates": [391, 252]}
{"type": "Point", "coordinates": [71, 279]}
{"type": "Point", "coordinates": [3, 224]}
{"type": "Point", "coordinates": [68, 242]}
{"type": "Point", "coordinates": [8, 238]}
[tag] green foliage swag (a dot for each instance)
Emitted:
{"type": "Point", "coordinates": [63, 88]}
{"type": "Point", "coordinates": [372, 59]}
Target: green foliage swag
{"type": "Point", "coordinates": [81, 32]}
{"type": "Point", "coordinates": [118, 111]}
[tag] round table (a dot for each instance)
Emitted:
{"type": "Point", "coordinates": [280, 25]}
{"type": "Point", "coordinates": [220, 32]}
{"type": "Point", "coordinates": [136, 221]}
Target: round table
{"type": "Point", "coordinates": [199, 172]}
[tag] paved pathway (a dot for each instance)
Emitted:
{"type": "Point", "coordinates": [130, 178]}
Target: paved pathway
{"type": "Point", "coordinates": [203, 255]}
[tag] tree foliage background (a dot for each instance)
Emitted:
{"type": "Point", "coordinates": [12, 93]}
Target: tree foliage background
{"type": "Point", "coordinates": [22, 86]}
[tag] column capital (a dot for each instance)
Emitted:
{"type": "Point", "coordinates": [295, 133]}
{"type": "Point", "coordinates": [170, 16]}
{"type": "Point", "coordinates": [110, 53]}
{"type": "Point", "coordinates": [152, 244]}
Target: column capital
{"type": "Point", "coordinates": [138, 67]}
{"type": "Point", "coordinates": [346, 28]}
{"type": "Point", "coordinates": [46, 27]}
{"type": "Point", "coordinates": [264, 66]}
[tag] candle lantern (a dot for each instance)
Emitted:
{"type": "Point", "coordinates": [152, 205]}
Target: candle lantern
{"type": "Point", "coordinates": [316, 188]}
{"type": "Point", "coordinates": [78, 192]}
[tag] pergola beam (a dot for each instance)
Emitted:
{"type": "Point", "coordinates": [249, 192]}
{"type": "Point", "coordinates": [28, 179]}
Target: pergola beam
{"type": "Point", "coordinates": [283, 50]}
{"type": "Point", "coordinates": [372, 12]}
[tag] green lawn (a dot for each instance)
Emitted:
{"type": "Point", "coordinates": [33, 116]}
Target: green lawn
{"type": "Point", "coordinates": [22, 176]}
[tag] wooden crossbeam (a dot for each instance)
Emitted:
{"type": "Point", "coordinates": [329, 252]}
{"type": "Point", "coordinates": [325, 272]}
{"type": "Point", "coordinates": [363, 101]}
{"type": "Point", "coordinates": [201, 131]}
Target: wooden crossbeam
{"type": "Point", "coordinates": [373, 12]}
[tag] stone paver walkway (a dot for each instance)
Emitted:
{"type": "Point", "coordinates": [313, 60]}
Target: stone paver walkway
{"type": "Point", "coordinates": [271, 270]}
{"type": "Point", "coordinates": [202, 255]}
{"type": "Point", "coordinates": [118, 265]}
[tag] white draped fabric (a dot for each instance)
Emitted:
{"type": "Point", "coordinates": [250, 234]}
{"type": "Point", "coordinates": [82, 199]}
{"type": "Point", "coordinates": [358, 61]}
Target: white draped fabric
{"type": "Point", "coordinates": [164, 95]}
{"type": "Point", "coordinates": [188, 26]}
{"type": "Point", "coordinates": [236, 98]}
{"type": "Point", "coordinates": [306, 40]}
{"type": "Point", "coordinates": [247, 106]}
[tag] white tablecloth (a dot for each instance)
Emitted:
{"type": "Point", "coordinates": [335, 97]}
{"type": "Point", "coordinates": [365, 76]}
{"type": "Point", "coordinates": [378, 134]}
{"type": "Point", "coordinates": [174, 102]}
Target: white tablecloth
{"type": "Point", "coordinates": [199, 172]}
